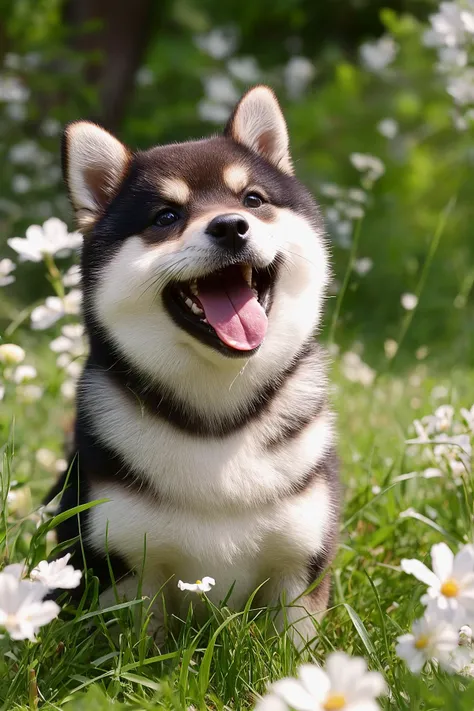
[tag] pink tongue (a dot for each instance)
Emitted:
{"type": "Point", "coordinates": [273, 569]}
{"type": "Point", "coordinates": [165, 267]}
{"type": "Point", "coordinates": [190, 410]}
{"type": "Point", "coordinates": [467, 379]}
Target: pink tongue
{"type": "Point", "coordinates": [233, 310]}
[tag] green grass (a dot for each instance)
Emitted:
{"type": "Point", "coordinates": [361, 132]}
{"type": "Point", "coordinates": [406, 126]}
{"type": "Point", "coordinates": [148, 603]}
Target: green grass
{"type": "Point", "coordinates": [100, 660]}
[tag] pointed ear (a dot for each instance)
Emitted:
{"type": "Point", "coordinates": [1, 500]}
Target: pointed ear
{"type": "Point", "coordinates": [257, 122]}
{"type": "Point", "coordinates": [94, 164]}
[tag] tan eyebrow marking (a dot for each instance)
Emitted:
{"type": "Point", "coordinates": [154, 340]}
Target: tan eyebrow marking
{"type": "Point", "coordinates": [235, 177]}
{"type": "Point", "coordinates": [175, 190]}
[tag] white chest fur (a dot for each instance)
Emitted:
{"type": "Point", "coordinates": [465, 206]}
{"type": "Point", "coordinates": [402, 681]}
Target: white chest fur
{"type": "Point", "coordinates": [224, 507]}
{"type": "Point", "coordinates": [241, 549]}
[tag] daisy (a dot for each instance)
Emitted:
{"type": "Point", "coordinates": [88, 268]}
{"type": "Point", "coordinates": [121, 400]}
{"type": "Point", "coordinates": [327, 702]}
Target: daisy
{"type": "Point", "coordinates": [22, 610]}
{"type": "Point", "coordinates": [431, 638]}
{"type": "Point", "coordinates": [11, 354]}
{"type": "Point", "coordinates": [368, 164]}
{"type": "Point", "coordinates": [24, 373]}
{"type": "Point", "coordinates": [203, 585]}
{"type": "Point", "coordinates": [6, 269]}
{"type": "Point", "coordinates": [468, 415]}
{"type": "Point", "coordinates": [57, 574]}
{"type": "Point", "coordinates": [52, 238]}
{"type": "Point", "coordinates": [54, 308]}
{"type": "Point", "coordinates": [345, 686]}
{"type": "Point", "coordinates": [409, 301]}
{"type": "Point", "coordinates": [451, 582]}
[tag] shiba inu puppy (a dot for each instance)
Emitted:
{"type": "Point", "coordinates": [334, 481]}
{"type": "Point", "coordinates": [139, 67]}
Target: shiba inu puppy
{"type": "Point", "coordinates": [202, 413]}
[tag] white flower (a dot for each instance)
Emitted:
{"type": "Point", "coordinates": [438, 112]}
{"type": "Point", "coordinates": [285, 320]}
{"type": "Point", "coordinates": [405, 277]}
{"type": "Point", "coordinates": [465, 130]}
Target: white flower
{"type": "Point", "coordinates": [376, 56]}
{"type": "Point", "coordinates": [363, 265]}
{"type": "Point", "coordinates": [51, 127]}
{"type": "Point", "coordinates": [2, 391]}
{"type": "Point", "coordinates": [11, 354]}
{"type": "Point", "coordinates": [468, 415]}
{"type": "Point", "coordinates": [210, 111]}
{"type": "Point", "coordinates": [24, 373]}
{"type": "Point", "coordinates": [218, 43]}
{"type": "Point", "coordinates": [29, 393]}
{"type": "Point", "coordinates": [450, 26]}
{"type": "Point", "coordinates": [68, 389]}
{"type": "Point", "coordinates": [465, 636]}
{"type": "Point", "coordinates": [451, 583]}
{"type": "Point", "coordinates": [245, 69]}
{"type": "Point", "coordinates": [203, 585]}
{"type": "Point", "coordinates": [461, 87]}
{"type": "Point", "coordinates": [144, 76]}
{"type": "Point", "coordinates": [388, 127]}
{"type": "Point", "coordinates": [368, 164]}
{"type": "Point", "coordinates": [431, 638]}
{"type": "Point", "coordinates": [70, 342]}
{"type": "Point", "coordinates": [54, 308]}
{"type": "Point", "coordinates": [48, 460]}
{"type": "Point", "coordinates": [330, 190]}
{"type": "Point", "coordinates": [298, 73]}
{"type": "Point", "coordinates": [345, 686]}
{"type": "Point", "coordinates": [444, 417]}
{"type": "Point", "coordinates": [12, 90]}
{"type": "Point", "coordinates": [21, 184]}
{"type": "Point", "coordinates": [409, 301]}
{"type": "Point", "coordinates": [22, 611]}
{"type": "Point", "coordinates": [6, 268]}
{"type": "Point", "coordinates": [52, 238]}
{"type": "Point", "coordinates": [57, 574]}
{"type": "Point", "coordinates": [220, 88]}
{"type": "Point", "coordinates": [355, 370]}
{"type": "Point", "coordinates": [390, 347]}
{"type": "Point", "coordinates": [73, 276]}
{"type": "Point", "coordinates": [357, 195]}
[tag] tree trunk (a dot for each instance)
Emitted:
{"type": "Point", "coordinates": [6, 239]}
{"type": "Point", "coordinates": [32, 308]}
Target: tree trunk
{"type": "Point", "coordinates": [117, 33]}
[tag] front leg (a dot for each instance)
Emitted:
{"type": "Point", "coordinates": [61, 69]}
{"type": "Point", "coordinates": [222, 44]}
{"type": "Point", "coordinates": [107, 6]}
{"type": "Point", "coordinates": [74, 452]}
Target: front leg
{"type": "Point", "coordinates": [130, 588]}
{"type": "Point", "coordinates": [299, 614]}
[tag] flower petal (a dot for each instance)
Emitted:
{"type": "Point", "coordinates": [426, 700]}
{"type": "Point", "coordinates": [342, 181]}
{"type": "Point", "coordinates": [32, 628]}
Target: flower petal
{"type": "Point", "coordinates": [370, 685]}
{"type": "Point", "coordinates": [187, 586]}
{"type": "Point", "coordinates": [464, 562]}
{"type": "Point", "coordinates": [16, 569]}
{"type": "Point", "coordinates": [271, 702]}
{"type": "Point", "coordinates": [415, 567]}
{"type": "Point", "coordinates": [293, 693]}
{"type": "Point", "coordinates": [315, 681]}
{"type": "Point", "coordinates": [442, 558]}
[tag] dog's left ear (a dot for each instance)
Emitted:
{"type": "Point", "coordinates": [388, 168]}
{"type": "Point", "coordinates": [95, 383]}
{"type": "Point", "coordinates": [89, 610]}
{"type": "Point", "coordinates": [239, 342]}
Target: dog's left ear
{"type": "Point", "coordinates": [257, 122]}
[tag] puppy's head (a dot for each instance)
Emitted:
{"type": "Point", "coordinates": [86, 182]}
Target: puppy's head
{"type": "Point", "coordinates": [208, 248]}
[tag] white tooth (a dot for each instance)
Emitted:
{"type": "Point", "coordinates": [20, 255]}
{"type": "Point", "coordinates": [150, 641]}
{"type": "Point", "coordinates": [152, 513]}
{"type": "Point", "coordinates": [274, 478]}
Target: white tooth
{"type": "Point", "coordinates": [205, 320]}
{"type": "Point", "coordinates": [255, 292]}
{"type": "Point", "coordinates": [247, 273]}
{"type": "Point", "coordinates": [189, 303]}
{"type": "Point", "coordinates": [196, 310]}
{"type": "Point", "coordinates": [193, 288]}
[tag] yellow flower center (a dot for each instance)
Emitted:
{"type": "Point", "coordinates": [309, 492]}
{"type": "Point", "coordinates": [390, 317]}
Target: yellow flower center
{"type": "Point", "coordinates": [198, 582]}
{"type": "Point", "coordinates": [334, 702]}
{"type": "Point", "coordinates": [450, 588]}
{"type": "Point", "coordinates": [422, 642]}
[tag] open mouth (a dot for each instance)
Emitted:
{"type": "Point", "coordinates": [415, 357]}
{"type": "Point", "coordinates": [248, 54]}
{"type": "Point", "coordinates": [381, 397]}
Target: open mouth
{"type": "Point", "coordinates": [226, 309]}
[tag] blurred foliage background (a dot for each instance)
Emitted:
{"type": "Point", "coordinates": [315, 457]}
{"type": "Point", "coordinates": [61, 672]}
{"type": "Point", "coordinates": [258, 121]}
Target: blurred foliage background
{"type": "Point", "coordinates": [353, 76]}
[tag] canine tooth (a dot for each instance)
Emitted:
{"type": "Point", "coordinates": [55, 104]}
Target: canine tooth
{"type": "Point", "coordinates": [247, 273]}
{"type": "Point", "coordinates": [189, 303]}
{"type": "Point", "coordinates": [193, 287]}
{"type": "Point", "coordinates": [196, 310]}
{"type": "Point", "coordinates": [255, 292]}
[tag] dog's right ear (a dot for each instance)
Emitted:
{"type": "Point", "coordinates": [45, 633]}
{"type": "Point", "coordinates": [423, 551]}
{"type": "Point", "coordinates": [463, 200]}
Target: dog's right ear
{"type": "Point", "coordinates": [94, 164]}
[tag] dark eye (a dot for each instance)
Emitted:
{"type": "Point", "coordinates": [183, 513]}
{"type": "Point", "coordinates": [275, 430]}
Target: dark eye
{"type": "Point", "coordinates": [166, 217]}
{"type": "Point", "coordinates": [253, 200]}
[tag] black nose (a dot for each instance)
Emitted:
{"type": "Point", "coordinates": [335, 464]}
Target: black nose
{"type": "Point", "coordinates": [229, 231]}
